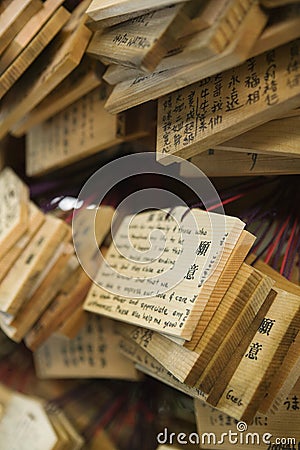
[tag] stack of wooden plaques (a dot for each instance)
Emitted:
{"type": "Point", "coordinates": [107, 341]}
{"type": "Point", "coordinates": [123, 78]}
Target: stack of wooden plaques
{"type": "Point", "coordinates": [39, 427]}
{"type": "Point", "coordinates": [155, 48]}
{"type": "Point", "coordinates": [38, 59]}
{"type": "Point", "coordinates": [221, 331]}
{"type": "Point", "coordinates": [217, 113]}
{"type": "Point", "coordinates": [267, 430]}
{"type": "Point", "coordinates": [43, 287]}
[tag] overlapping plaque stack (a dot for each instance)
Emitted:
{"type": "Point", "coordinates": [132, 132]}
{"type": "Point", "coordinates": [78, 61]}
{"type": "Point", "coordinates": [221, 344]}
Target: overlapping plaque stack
{"type": "Point", "coordinates": [43, 287]}
{"type": "Point", "coordinates": [153, 53]}
{"type": "Point", "coordinates": [39, 426]}
{"type": "Point", "coordinates": [218, 333]}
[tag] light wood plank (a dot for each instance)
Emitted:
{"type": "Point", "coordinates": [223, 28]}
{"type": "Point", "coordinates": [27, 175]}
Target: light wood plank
{"type": "Point", "coordinates": [28, 32]}
{"type": "Point", "coordinates": [14, 203]}
{"type": "Point", "coordinates": [216, 163]}
{"type": "Point", "coordinates": [63, 56]}
{"type": "Point", "coordinates": [14, 17]}
{"type": "Point", "coordinates": [79, 83]}
{"type": "Point", "coordinates": [29, 270]}
{"type": "Point", "coordinates": [233, 102]}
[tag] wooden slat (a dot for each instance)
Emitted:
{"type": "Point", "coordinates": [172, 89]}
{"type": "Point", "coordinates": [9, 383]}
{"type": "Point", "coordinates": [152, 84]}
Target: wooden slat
{"type": "Point", "coordinates": [283, 425]}
{"type": "Point", "coordinates": [141, 89]}
{"type": "Point", "coordinates": [32, 50]}
{"type": "Point", "coordinates": [34, 307]}
{"type": "Point", "coordinates": [284, 27]}
{"type": "Point", "coordinates": [79, 83]}
{"type": "Point", "coordinates": [147, 364]}
{"type": "Point", "coordinates": [224, 106]}
{"type": "Point", "coordinates": [277, 137]}
{"type": "Point", "coordinates": [231, 268]}
{"type": "Point", "coordinates": [58, 311]}
{"type": "Point", "coordinates": [143, 42]}
{"type": "Point", "coordinates": [14, 202]}
{"type": "Point", "coordinates": [92, 354]}
{"type": "Point", "coordinates": [175, 312]}
{"type": "Point", "coordinates": [27, 33]}
{"type": "Point", "coordinates": [216, 163]}
{"type": "Point", "coordinates": [74, 323]}
{"type": "Point", "coordinates": [29, 270]}
{"type": "Point", "coordinates": [54, 144]}
{"type": "Point", "coordinates": [14, 17]}
{"type": "Point", "coordinates": [100, 9]}
{"type": "Point", "coordinates": [63, 56]}
{"type": "Point", "coordinates": [35, 220]}
{"type": "Point", "coordinates": [261, 360]}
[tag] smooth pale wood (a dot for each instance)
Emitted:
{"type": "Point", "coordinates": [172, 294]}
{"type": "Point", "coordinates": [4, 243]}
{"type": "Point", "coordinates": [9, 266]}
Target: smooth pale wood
{"type": "Point", "coordinates": [100, 9]}
{"type": "Point", "coordinates": [58, 311]}
{"type": "Point", "coordinates": [110, 22]}
{"type": "Point", "coordinates": [74, 323]}
{"type": "Point", "coordinates": [231, 122]}
{"type": "Point", "coordinates": [210, 42]}
{"type": "Point", "coordinates": [277, 137]}
{"type": "Point", "coordinates": [143, 42]}
{"type": "Point", "coordinates": [283, 28]}
{"type": "Point", "coordinates": [193, 363]}
{"type": "Point", "coordinates": [14, 17]}
{"type": "Point", "coordinates": [63, 439]}
{"type": "Point", "coordinates": [35, 220]}
{"type": "Point", "coordinates": [231, 268]}
{"type": "Point", "coordinates": [98, 341]}
{"type": "Point", "coordinates": [224, 347]}
{"type": "Point", "coordinates": [79, 83]}
{"type": "Point", "coordinates": [167, 352]}
{"type": "Point", "coordinates": [292, 113]}
{"type": "Point", "coordinates": [26, 317]}
{"type": "Point", "coordinates": [74, 439]}
{"type": "Point", "coordinates": [141, 89]}
{"type": "Point", "coordinates": [27, 33]}
{"type": "Point", "coordinates": [32, 50]}
{"type": "Point", "coordinates": [28, 271]}
{"type": "Point", "coordinates": [90, 228]}
{"type": "Point", "coordinates": [14, 202]}
{"type": "Point", "coordinates": [4, 4]}
{"type": "Point", "coordinates": [147, 364]}
{"type": "Point", "coordinates": [252, 377]}
{"type": "Point", "coordinates": [19, 409]}
{"type": "Point", "coordinates": [101, 439]}
{"type": "Point", "coordinates": [283, 424]}
{"type": "Point", "coordinates": [216, 163]}
{"type": "Point", "coordinates": [186, 314]}
{"type": "Point", "coordinates": [54, 144]}
{"type": "Point", "coordinates": [63, 56]}
{"type": "Point", "coordinates": [280, 281]}
{"type": "Point", "coordinates": [284, 380]}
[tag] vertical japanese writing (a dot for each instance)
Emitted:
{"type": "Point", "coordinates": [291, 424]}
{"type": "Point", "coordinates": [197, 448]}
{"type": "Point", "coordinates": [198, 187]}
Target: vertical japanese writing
{"type": "Point", "coordinates": [271, 86]}
{"type": "Point", "coordinates": [293, 67]}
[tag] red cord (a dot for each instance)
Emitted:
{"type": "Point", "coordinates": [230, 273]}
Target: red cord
{"type": "Point", "coordinates": [283, 264]}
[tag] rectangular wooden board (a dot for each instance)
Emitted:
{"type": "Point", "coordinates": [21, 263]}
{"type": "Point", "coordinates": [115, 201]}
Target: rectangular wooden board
{"type": "Point", "coordinates": [142, 42]}
{"type": "Point", "coordinates": [179, 316]}
{"type": "Point", "coordinates": [28, 32]}
{"type": "Point", "coordinates": [14, 17]}
{"type": "Point", "coordinates": [63, 55]}
{"type": "Point", "coordinates": [92, 354]}
{"type": "Point", "coordinates": [100, 9]}
{"type": "Point", "coordinates": [221, 107]}
{"type": "Point", "coordinates": [219, 163]}
{"type": "Point", "coordinates": [85, 78]}
{"type": "Point", "coordinates": [148, 87]}
{"type": "Point", "coordinates": [277, 137]}
{"type": "Point", "coordinates": [22, 62]}
{"type": "Point", "coordinates": [27, 273]}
